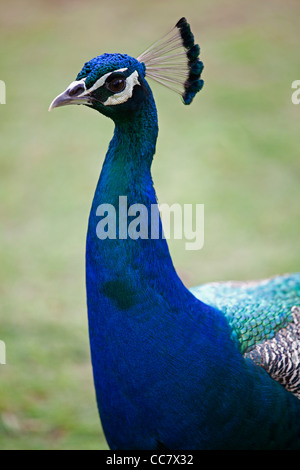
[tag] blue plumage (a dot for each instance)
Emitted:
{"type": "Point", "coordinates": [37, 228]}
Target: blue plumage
{"type": "Point", "coordinates": [171, 366]}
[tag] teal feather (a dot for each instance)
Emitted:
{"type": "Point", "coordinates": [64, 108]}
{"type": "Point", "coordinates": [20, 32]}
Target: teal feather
{"type": "Point", "coordinates": [255, 311]}
{"type": "Point", "coordinates": [186, 33]}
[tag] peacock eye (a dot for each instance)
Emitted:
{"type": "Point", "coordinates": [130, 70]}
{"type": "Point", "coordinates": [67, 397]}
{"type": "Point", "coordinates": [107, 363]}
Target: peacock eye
{"type": "Point", "coordinates": [116, 85]}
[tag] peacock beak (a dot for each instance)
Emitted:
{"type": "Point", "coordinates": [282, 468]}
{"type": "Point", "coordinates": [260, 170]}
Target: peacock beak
{"type": "Point", "coordinates": [75, 94]}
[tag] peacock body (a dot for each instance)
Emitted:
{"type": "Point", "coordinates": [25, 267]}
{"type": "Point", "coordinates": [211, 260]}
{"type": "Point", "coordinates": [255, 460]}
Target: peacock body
{"type": "Point", "coordinates": [214, 367]}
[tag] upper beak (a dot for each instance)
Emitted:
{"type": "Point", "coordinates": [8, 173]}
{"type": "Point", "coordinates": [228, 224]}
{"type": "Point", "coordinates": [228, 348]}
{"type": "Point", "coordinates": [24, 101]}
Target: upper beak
{"type": "Point", "coordinates": [72, 95]}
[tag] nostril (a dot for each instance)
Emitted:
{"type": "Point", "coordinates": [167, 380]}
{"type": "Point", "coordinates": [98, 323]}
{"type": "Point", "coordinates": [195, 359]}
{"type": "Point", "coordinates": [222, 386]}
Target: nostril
{"type": "Point", "coordinates": [76, 90]}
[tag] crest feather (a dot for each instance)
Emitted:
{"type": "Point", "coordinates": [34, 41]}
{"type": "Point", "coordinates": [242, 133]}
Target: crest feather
{"type": "Point", "coordinates": [173, 61]}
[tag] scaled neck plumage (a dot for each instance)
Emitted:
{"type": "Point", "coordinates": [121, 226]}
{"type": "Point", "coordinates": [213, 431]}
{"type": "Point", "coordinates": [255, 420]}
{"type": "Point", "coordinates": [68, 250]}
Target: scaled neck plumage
{"type": "Point", "coordinates": [126, 172]}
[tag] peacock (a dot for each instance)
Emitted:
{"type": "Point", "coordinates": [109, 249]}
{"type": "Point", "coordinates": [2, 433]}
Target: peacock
{"type": "Point", "coordinates": [212, 367]}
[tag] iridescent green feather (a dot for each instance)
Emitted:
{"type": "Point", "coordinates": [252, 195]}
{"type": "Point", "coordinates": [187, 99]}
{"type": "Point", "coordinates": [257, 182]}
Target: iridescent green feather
{"type": "Point", "coordinates": [257, 310]}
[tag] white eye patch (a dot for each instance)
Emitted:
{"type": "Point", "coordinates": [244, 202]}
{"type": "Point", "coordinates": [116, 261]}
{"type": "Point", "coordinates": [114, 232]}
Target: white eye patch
{"type": "Point", "coordinates": [100, 82]}
{"type": "Point", "coordinates": [117, 98]}
{"type": "Point", "coordinates": [123, 96]}
{"type": "Point", "coordinates": [78, 82]}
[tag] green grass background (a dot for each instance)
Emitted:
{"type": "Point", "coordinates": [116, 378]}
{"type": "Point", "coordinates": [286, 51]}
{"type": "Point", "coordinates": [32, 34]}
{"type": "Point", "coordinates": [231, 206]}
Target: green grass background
{"type": "Point", "coordinates": [236, 150]}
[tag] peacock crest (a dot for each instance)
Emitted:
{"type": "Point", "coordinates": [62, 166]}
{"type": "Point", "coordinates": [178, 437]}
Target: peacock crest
{"type": "Point", "coordinates": [173, 61]}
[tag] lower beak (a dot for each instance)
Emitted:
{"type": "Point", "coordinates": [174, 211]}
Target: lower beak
{"type": "Point", "coordinates": [65, 99]}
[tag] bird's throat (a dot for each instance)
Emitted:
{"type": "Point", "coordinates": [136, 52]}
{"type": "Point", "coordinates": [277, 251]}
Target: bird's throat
{"type": "Point", "coordinates": [125, 186]}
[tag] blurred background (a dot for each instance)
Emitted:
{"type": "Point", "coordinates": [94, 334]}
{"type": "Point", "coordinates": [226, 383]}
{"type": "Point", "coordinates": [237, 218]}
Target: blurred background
{"type": "Point", "coordinates": [235, 150]}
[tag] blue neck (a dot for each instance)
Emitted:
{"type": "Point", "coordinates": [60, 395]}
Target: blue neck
{"type": "Point", "coordinates": [126, 172]}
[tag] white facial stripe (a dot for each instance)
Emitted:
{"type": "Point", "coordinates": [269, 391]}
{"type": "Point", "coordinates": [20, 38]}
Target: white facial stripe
{"type": "Point", "coordinates": [77, 82]}
{"type": "Point", "coordinates": [100, 82]}
{"type": "Point", "coordinates": [124, 95]}
{"type": "Point", "coordinates": [117, 98]}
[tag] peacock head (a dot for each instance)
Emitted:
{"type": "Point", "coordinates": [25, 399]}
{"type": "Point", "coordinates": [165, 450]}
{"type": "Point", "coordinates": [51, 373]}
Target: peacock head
{"type": "Point", "coordinates": [115, 84]}
{"type": "Point", "coordinates": [110, 83]}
